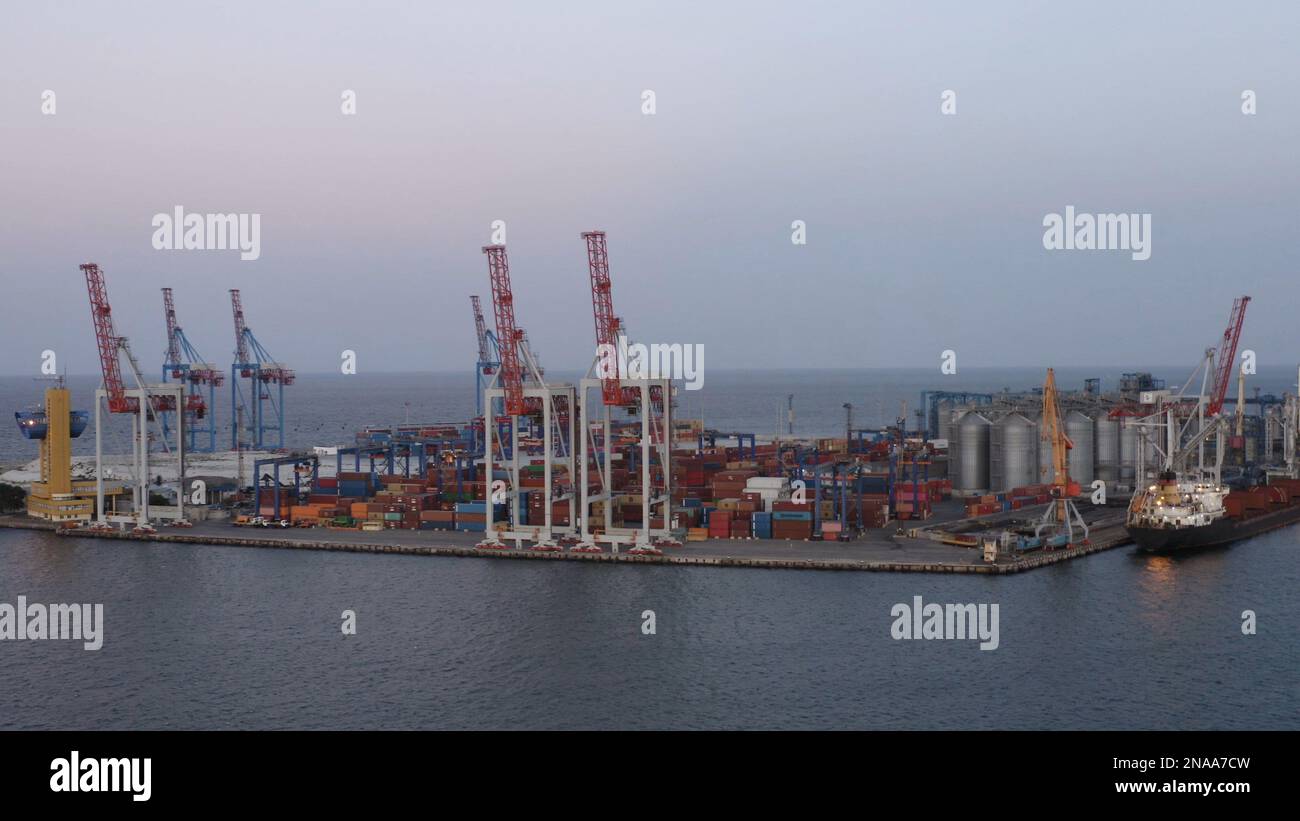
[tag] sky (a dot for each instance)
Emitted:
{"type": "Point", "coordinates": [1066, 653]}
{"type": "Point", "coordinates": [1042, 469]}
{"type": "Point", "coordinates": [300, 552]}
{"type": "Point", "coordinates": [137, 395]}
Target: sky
{"type": "Point", "coordinates": [924, 230]}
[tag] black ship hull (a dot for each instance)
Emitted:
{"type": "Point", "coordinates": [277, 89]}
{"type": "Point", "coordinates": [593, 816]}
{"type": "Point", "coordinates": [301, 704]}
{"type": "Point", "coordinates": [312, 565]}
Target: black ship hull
{"type": "Point", "coordinates": [1221, 532]}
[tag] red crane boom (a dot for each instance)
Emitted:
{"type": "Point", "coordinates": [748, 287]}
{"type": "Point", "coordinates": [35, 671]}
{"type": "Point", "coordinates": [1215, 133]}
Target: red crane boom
{"type": "Point", "coordinates": [511, 376]}
{"type": "Point", "coordinates": [1227, 356]}
{"type": "Point", "coordinates": [102, 316]}
{"type": "Point", "coordinates": [608, 325]}
{"type": "Point", "coordinates": [602, 306]}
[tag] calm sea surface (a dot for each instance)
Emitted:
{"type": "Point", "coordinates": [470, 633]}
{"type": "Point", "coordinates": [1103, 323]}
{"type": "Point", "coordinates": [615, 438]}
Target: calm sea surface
{"type": "Point", "coordinates": [218, 637]}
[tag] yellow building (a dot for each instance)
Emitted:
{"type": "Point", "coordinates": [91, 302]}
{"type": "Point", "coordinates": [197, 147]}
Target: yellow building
{"type": "Point", "coordinates": [56, 496]}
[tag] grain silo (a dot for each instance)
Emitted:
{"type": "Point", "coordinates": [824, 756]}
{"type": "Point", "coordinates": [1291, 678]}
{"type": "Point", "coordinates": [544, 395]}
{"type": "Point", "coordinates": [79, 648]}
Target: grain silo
{"type": "Point", "coordinates": [973, 453]}
{"type": "Point", "coordinates": [1083, 454]}
{"type": "Point", "coordinates": [1128, 451]}
{"type": "Point", "coordinates": [1013, 453]}
{"type": "Point", "coordinates": [1107, 449]}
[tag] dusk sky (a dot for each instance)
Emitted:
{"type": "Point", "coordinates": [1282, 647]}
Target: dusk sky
{"type": "Point", "coordinates": [924, 230]}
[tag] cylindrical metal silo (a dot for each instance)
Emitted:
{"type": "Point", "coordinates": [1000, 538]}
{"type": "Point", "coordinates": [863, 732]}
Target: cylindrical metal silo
{"type": "Point", "coordinates": [1013, 453]}
{"type": "Point", "coordinates": [945, 419]}
{"type": "Point", "coordinates": [954, 436]}
{"type": "Point", "coordinates": [1128, 450]}
{"type": "Point", "coordinates": [973, 453]}
{"type": "Point", "coordinates": [1107, 449]}
{"type": "Point", "coordinates": [952, 464]}
{"type": "Point", "coordinates": [1082, 458]}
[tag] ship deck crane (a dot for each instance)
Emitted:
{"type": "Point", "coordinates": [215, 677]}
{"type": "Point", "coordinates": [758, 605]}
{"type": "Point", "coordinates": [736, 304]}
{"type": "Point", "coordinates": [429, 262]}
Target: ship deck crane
{"type": "Point", "coordinates": [1182, 455]}
{"type": "Point", "coordinates": [1062, 516]}
{"type": "Point", "coordinates": [182, 362]}
{"type": "Point", "coordinates": [1227, 355]}
{"type": "Point", "coordinates": [254, 363]}
{"type": "Point", "coordinates": [1216, 370]}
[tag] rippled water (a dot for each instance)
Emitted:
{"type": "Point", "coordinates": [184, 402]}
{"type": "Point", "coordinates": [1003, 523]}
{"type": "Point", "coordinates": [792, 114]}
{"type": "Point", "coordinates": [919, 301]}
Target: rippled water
{"type": "Point", "coordinates": [220, 637]}
{"type": "Point", "coordinates": [217, 637]}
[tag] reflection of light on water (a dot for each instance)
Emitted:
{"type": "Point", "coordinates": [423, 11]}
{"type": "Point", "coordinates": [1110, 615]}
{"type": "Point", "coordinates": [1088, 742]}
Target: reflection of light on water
{"type": "Point", "coordinates": [1171, 584]}
{"type": "Point", "coordinates": [1161, 566]}
{"type": "Point", "coordinates": [1159, 590]}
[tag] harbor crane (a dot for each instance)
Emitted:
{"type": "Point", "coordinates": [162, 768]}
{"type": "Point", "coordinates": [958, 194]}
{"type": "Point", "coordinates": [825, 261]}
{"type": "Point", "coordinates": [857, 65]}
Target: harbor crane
{"type": "Point", "coordinates": [650, 397]}
{"type": "Point", "coordinates": [489, 353]}
{"type": "Point", "coordinates": [183, 363]}
{"type": "Point", "coordinates": [532, 364]}
{"type": "Point", "coordinates": [525, 405]}
{"type": "Point", "coordinates": [1062, 515]}
{"type": "Point", "coordinates": [255, 364]}
{"type": "Point", "coordinates": [111, 346]}
{"type": "Point", "coordinates": [1166, 423]}
{"type": "Point", "coordinates": [607, 324]}
{"type": "Point", "coordinates": [609, 329]}
{"type": "Point", "coordinates": [1227, 355]}
{"type": "Point", "coordinates": [510, 374]}
{"type": "Point", "coordinates": [146, 403]}
{"type": "Point", "coordinates": [1216, 370]}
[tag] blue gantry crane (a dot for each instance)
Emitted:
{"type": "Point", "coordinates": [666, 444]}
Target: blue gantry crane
{"type": "Point", "coordinates": [489, 356]}
{"type": "Point", "coordinates": [249, 407]}
{"type": "Point", "coordinates": [930, 406]}
{"type": "Point", "coordinates": [184, 364]}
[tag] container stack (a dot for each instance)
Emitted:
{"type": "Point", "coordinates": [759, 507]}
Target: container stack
{"type": "Point", "coordinates": [768, 489]}
{"type": "Point", "coordinates": [1015, 499]}
{"type": "Point", "coordinates": [912, 500]}
{"type": "Point", "coordinates": [792, 520]}
{"type": "Point", "coordinates": [361, 485]}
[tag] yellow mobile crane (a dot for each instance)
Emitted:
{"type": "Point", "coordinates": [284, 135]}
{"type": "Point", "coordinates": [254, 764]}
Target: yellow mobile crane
{"type": "Point", "coordinates": [1056, 528]}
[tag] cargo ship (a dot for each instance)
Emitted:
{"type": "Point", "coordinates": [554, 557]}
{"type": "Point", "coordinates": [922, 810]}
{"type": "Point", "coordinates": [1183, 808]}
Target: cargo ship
{"type": "Point", "coordinates": [33, 424]}
{"type": "Point", "coordinates": [1180, 514]}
